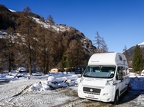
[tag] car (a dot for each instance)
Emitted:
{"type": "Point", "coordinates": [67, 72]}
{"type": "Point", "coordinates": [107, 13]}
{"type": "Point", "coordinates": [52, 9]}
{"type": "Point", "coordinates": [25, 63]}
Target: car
{"type": "Point", "coordinates": [19, 72]}
{"type": "Point", "coordinates": [80, 69]}
{"type": "Point", "coordinates": [142, 73]}
{"type": "Point", "coordinates": [21, 69]}
{"type": "Point", "coordinates": [37, 73]}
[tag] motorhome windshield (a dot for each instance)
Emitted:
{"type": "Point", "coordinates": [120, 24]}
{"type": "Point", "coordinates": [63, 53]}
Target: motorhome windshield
{"type": "Point", "coordinates": [99, 71]}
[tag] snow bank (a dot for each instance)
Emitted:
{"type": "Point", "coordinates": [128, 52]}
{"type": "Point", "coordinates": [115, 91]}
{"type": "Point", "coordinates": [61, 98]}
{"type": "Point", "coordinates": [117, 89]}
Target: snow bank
{"type": "Point", "coordinates": [63, 80]}
{"type": "Point", "coordinates": [56, 80]}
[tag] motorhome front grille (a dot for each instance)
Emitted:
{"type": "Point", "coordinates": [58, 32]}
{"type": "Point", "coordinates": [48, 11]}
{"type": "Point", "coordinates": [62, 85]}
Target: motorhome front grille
{"type": "Point", "coordinates": [89, 90]}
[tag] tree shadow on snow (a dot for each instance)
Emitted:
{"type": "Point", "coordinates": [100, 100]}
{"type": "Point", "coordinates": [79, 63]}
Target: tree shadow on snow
{"type": "Point", "coordinates": [4, 82]}
{"type": "Point", "coordinates": [130, 95]}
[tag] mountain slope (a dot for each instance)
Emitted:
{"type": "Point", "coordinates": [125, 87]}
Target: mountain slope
{"type": "Point", "coordinates": [131, 50]}
{"type": "Point", "coordinates": [4, 9]}
{"type": "Point", "coordinates": [10, 20]}
{"type": "Point", "coordinates": [6, 18]}
{"type": "Point", "coordinates": [39, 40]}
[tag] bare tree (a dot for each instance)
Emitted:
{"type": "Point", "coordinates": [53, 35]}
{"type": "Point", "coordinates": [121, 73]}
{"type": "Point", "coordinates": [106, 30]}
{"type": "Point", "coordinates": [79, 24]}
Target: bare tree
{"type": "Point", "coordinates": [3, 54]}
{"type": "Point", "coordinates": [45, 49]}
{"type": "Point", "coordinates": [50, 19]}
{"type": "Point", "coordinates": [26, 41]}
{"type": "Point", "coordinates": [126, 53]}
{"type": "Point", "coordinates": [11, 48]}
{"type": "Point", "coordinates": [104, 47]}
{"type": "Point", "coordinates": [100, 44]}
{"type": "Point", "coordinates": [76, 53]}
{"type": "Point", "coordinates": [27, 9]}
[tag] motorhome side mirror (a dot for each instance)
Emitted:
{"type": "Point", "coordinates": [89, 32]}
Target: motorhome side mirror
{"type": "Point", "coordinates": [119, 77]}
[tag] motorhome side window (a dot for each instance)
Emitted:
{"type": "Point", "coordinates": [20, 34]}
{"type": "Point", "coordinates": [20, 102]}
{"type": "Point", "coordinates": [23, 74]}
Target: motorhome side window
{"type": "Point", "coordinates": [119, 72]}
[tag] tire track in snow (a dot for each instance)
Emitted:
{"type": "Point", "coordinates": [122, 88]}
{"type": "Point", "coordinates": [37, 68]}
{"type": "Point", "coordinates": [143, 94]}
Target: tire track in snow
{"type": "Point", "coordinates": [6, 101]}
{"type": "Point", "coordinates": [20, 93]}
{"type": "Point", "coordinates": [72, 103]}
{"type": "Point", "coordinates": [7, 98]}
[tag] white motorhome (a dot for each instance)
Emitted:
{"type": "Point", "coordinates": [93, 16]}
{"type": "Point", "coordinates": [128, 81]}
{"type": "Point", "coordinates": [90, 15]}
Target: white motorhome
{"type": "Point", "coordinates": [105, 78]}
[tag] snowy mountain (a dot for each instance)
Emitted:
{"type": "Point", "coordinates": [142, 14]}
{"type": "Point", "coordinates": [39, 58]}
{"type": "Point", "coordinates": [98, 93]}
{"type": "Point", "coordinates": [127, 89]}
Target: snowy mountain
{"type": "Point", "coordinates": [141, 44]}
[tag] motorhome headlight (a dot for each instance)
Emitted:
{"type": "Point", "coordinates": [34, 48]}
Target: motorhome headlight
{"type": "Point", "coordinates": [109, 82]}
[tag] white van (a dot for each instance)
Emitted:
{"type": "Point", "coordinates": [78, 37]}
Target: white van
{"type": "Point", "coordinates": [105, 78]}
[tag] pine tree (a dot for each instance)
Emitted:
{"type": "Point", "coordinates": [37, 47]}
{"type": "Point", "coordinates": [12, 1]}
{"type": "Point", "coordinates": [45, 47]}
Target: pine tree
{"type": "Point", "coordinates": [65, 63]}
{"type": "Point", "coordinates": [137, 61]}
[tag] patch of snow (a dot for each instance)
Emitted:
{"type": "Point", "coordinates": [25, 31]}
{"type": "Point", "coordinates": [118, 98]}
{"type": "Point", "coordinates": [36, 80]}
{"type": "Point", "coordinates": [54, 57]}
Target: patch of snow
{"type": "Point", "coordinates": [41, 23]}
{"type": "Point", "coordinates": [55, 27]}
{"type": "Point", "coordinates": [12, 10]}
{"type": "Point", "coordinates": [141, 43]}
{"type": "Point", "coordinates": [3, 34]}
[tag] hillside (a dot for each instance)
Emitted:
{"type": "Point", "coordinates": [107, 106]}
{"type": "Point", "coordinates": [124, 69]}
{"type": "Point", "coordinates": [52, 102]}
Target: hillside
{"type": "Point", "coordinates": [131, 50]}
{"type": "Point", "coordinates": [31, 41]}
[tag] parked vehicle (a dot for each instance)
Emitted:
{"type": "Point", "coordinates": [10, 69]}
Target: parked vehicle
{"type": "Point", "coordinates": [37, 73]}
{"type": "Point", "coordinates": [21, 69]}
{"type": "Point", "coordinates": [79, 69]}
{"type": "Point", "coordinates": [53, 70]}
{"type": "Point", "coordinates": [19, 72]}
{"type": "Point", "coordinates": [105, 79]}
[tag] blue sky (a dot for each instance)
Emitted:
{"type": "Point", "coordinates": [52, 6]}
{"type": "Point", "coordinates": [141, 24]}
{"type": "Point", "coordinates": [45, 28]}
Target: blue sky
{"type": "Point", "coordinates": [119, 22]}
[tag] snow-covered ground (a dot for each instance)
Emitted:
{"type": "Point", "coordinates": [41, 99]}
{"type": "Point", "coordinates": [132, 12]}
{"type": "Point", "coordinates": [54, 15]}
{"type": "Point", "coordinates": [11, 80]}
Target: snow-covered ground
{"type": "Point", "coordinates": [58, 90]}
{"type": "Point", "coordinates": [38, 91]}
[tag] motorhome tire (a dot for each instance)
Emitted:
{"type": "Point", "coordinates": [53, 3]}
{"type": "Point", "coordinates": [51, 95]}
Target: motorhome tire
{"type": "Point", "coordinates": [116, 100]}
